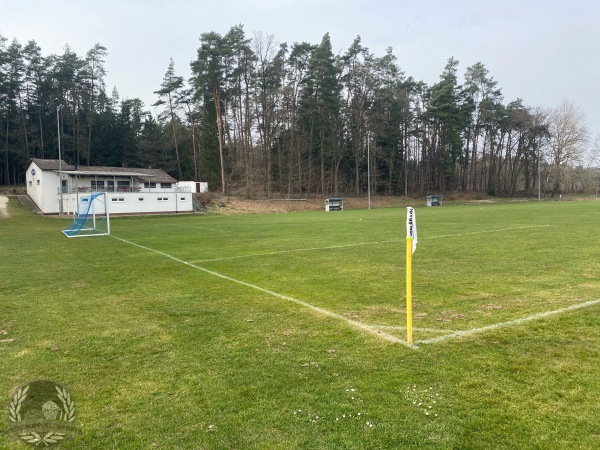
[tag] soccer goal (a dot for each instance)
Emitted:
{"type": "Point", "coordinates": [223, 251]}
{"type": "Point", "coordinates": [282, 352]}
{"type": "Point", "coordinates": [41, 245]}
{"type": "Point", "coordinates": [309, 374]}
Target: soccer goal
{"type": "Point", "coordinates": [91, 218]}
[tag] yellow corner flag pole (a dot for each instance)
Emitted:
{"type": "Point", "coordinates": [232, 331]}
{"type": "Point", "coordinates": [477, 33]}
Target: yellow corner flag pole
{"type": "Point", "coordinates": [411, 244]}
{"type": "Point", "coordinates": [409, 331]}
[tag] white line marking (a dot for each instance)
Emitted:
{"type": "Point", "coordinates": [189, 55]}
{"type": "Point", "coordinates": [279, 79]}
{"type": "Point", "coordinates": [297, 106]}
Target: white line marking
{"type": "Point", "coordinates": [354, 323]}
{"type": "Point", "coordinates": [295, 250]}
{"type": "Point", "coordinates": [400, 327]}
{"type": "Point", "coordinates": [460, 334]}
{"type": "Point", "coordinates": [485, 231]}
{"type": "Point", "coordinates": [356, 244]}
{"type": "Point", "coordinates": [203, 228]}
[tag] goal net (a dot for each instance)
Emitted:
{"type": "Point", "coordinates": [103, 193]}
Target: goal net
{"type": "Point", "coordinates": [91, 217]}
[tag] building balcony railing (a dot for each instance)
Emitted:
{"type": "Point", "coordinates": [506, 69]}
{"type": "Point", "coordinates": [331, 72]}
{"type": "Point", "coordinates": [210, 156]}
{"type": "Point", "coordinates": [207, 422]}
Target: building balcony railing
{"type": "Point", "coordinates": [88, 189]}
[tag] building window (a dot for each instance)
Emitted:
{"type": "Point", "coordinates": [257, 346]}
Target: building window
{"type": "Point", "coordinates": [123, 185]}
{"type": "Point", "coordinates": [117, 199]}
{"type": "Point", "coordinates": [149, 185]}
{"type": "Point", "coordinates": [38, 182]}
{"type": "Point", "coordinates": [30, 183]}
{"type": "Point", "coordinates": [97, 185]}
{"type": "Point", "coordinates": [163, 199]}
{"type": "Point", "coordinates": [140, 199]}
{"type": "Point", "coordinates": [182, 199]}
{"type": "Point", "coordinates": [165, 185]}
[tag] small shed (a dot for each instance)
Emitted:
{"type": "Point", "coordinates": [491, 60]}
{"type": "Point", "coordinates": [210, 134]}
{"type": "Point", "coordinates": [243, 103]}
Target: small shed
{"type": "Point", "coordinates": [334, 204]}
{"type": "Point", "coordinates": [434, 200]}
{"type": "Point", "coordinates": [197, 187]}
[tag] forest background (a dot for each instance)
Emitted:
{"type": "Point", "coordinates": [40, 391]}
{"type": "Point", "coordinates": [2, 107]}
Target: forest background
{"type": "Point", "coordinates": [259, 118]}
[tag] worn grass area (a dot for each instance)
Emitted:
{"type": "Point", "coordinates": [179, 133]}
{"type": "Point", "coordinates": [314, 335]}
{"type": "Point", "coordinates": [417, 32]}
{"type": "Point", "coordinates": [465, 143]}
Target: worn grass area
{"type": "Point", "coordinates": [167, 353]}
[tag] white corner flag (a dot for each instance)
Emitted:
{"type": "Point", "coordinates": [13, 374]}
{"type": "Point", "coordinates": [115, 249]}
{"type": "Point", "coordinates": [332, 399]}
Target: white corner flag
{"type": "Point", "coordinates": [411, 226]}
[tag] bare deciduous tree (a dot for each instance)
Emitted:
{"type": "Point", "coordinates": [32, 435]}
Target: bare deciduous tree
{"type": "Point", "coordinates": [568, 135]}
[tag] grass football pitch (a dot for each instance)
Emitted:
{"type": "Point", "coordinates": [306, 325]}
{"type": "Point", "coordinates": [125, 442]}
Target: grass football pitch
{"type": "Point", "coordinates": [283, 331]}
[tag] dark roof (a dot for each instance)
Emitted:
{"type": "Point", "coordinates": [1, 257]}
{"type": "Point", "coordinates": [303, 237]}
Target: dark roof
{"type": "Point", "coordinates": [156, 176]}
{"type": "Point", "coordinates": [51, 164]}
{"type": "Point", "coordinates": [140, 174]}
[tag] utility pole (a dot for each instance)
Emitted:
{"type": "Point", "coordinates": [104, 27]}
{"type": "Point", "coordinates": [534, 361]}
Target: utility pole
{"type": "Point", "coordinates": [60, 202]}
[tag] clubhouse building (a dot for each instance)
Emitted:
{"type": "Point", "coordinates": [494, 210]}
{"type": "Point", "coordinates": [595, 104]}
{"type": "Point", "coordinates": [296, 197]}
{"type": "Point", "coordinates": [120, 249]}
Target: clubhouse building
{"type": "Point", "coordinates": [55, 187]}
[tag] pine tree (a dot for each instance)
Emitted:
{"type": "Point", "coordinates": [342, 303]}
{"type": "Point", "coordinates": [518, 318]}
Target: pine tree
{"type": "Point", "coordinates": [168, 94]}
{"type": "Point", "coordinates": [322, 100]}
{"type": "Point", "coordinates": [208, 81]}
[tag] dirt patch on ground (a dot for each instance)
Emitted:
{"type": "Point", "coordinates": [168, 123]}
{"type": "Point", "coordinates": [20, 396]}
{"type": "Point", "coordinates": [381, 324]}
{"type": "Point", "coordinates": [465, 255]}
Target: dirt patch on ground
{"type": "Point", "coordinates": [3, 206]}
{"type": "Point", "coordinates": [237, 205]}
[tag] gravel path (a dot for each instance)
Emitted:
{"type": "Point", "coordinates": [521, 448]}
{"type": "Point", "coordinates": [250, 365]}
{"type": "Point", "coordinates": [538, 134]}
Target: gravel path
{"type": "Point", "coordinates": [3, 205]}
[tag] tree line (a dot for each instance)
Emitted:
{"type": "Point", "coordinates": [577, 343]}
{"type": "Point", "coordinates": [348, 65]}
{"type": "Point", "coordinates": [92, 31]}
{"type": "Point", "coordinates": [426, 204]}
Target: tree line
{"type": "Point", "coordinates": [260, 118]}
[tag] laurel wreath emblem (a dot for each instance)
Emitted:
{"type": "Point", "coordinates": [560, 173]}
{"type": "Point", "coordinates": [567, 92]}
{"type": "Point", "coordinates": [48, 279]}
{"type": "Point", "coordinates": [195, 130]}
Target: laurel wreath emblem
{"type": "Point", "coordinates": [52, 437]}
{"type": "Point", "coordinates": [68, 414]}
{"type": "Point", "coordinates": [14, 409]}
{"type": "Point", "coordinates": [36, 437]}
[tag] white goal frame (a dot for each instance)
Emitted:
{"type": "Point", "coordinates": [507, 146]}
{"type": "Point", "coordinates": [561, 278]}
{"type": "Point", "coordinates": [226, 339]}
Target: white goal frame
{"type": "Point", "coordinates": [92, 217]}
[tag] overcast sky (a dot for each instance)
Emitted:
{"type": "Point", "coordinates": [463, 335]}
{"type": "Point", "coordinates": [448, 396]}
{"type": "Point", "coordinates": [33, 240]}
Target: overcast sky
{"type": "Point", "coordinates": [543, 51]}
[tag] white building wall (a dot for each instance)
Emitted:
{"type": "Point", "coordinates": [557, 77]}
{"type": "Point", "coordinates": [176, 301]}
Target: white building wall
{"type": "Point", "coordinates": [149, 202]}
{"type": "Point", "coordinates": [139, 202]}
{"type": "Point", "coordinates": [34, 190]}
{"type": "Point", "coordinates": [42, 187]}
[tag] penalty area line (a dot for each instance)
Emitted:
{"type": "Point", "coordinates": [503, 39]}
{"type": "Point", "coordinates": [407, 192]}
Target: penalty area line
{"type": "Point", "coordinates": [361, 326]}
{"type": "Point", "coordinates": [486, 231]}
{"type": "Point", "coordinates": [472, 331]}
{"type": "Point", "coordinates": [296, 250]}
{"type": "Point", "coordinates": [199, 227]}
{"type": "Point", "coordinates": [357, 244]}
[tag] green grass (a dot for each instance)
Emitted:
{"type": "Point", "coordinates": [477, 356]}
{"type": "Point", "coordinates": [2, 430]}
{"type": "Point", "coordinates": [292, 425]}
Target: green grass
{"type": "Point", "coordinates": [161, 354]}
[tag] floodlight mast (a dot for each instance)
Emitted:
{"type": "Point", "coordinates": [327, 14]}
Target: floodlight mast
{"type": "Point", "coordinates": [60, 202]}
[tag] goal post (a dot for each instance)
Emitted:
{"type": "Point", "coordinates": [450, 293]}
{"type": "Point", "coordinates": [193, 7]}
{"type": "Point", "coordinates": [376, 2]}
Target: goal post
{"type": "Point", "coordinates": [91, 218]}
